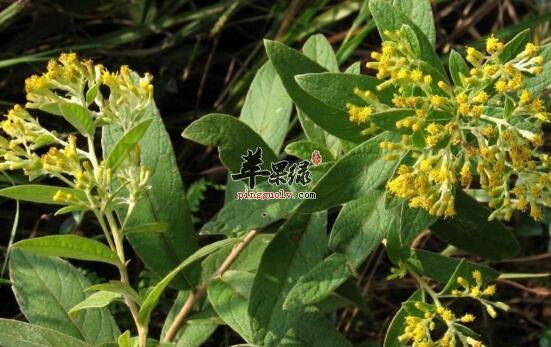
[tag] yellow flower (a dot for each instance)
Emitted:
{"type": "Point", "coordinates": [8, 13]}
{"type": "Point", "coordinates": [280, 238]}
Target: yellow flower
{"type": "Point", "coordinates": [467, 318]}
{"type": "Point", "coordinates": [416, 75]}
{"type": "Point", "coordinates": [437, 100]}
{"type": "Point", "coordinates": [490, 290]}
{"type": "Point", "coordinates": [474, 57]}
{"type": "Point", "coordinates": [464, 109]}
{"type": "Point", "coordinates": [433, 128]}
{"type": "Point", "coordinates": [445, 313]}
{"type": "Point", "coordinates": [477, 275]}
{"type": "Point", "coordinates": [493, 45]}
{"type": "Point", "coordinates": [501, 86]}
{"type": "Point", "coordinates": [461, 98]}
{"type": "Point", "coordinates": [489, 70]}
{"type": "Point", "coordinates": [476, 111]}
{"type": "Point", "coordinates": [427, 79]}
{"type": "Point", "coordinates": [481, 97]}
{"type": "Point", "coordinates": [359, 114]}
{"type": "Point", "coordinates": [535, 212]}
{"type": "Point", "coordinates": [35, 83]}
{"type": "Point", "coordinates": [530, 49]}
{"type": "Point", "coordinates": [524, 97]}
{"type": "Point", "coordinates": [465, 175]}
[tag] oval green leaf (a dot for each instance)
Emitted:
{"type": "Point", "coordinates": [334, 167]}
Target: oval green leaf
{"type": "Point", "coordinates": [126, 143]}
{"type": "Point", "coordinates": [20, 334]}
{"type": "Point", "coordinates": [70, 246]}
{"type": "Point", "coordinates": [96, 300]}
{"type": "Point", "coordinates": [232, 136]}
{"type": "Point", "coordinates": [38, 193]}
{"type": "Point", "coordinates": [470, 230]}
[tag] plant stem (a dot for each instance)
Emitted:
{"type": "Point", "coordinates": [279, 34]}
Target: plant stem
{"type": "Point", "coordinates": [119, 247]}
{"type": "Point", "coordinates": [199, 292]}
{"type": "Point", "coordinates": [424, 285]}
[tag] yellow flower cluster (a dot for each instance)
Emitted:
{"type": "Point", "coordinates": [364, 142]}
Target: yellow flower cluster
{"type": "Point", "coordinates": [130, 95]}
{"type": "Point", "coordinates": [69, 80]}
{"type": "Point", "coordinates": [66, 79]}
{"type": "Point", "coordinates": [419, 327]}
{"type": "Point", "coordinates": [478, 292]}
{"type": "Point", "coordinates": [485, 129]}
{"type": "Point", "coordinates": [474, 290]}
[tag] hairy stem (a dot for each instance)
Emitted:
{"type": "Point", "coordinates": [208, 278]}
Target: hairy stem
{"type": "Point", "coordinates": [199, 292]}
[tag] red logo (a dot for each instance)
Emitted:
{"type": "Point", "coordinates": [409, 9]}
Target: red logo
{"type": "Point", "coordinates": [316, 157]}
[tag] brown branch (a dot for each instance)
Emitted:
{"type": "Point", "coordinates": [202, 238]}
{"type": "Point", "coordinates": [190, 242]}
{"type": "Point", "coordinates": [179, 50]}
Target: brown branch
{"type": "Point", "coordinates": [540, 291]}
{"type": "Point", "coordinates": [198, 293]}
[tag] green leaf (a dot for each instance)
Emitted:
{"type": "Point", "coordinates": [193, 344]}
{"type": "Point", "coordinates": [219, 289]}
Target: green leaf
{"type": "Point", "coordinates": [420, 13]}
{"type": "Point", "coordinates": [232, 136]}
{"type": "Point", "coordinates": [337, 89]}
{"type": "Point", "coordinates": [117, 287]}
{"type": "Point", "coordinates": [70, 246]}
{"type": "Point", "coordinates": [418, 139]}
{"type": "Point", "coordinates": [508, 107]}
{"type": "Point", "coordinates": [289, 63]}
{"type": "Point", "coordinates": [314, 330]}
{"type": "Point", "coordinates": [303, 149]}
{"type": "Point", "coordinates": [412, 222]}
{"type": "Point", "coordinates": [229, 296]}
{"type": "Point", "coordinates": [125, 339]}
{"type": "Point", "coordinates": [46, 288]}
{"type": "Point", "coordinates": [398, 323]}
{"type": "Point", "coordinates": [387, 119]}
{"type": "Point", "coordinates": [391, 16]}
{"type": "Point", "coordinates": [313, 132]}
{"type": "Point", "coordinates": [267, 107]}
{"type": "Point", "coordinates": [20, 334]}
{"type": "Point", "coordinates": [545, 339]}
{"type": "Point", "coordinates": [199, 327]}
{"type": "Point", "coordinates": [355, 68]}
{"type": "Point", "coordinates": [537, 84]}
{"type": "Point", "coordinates": [458, 67]}
{"type": "Point", "coordinates": [266, 110]}
{"type": "Point", "coordinates": [361, 226]}
{"type": "Point", "coordinates": [126, 144]}
{"type": "Point", "coordinates": [471, 231]}
{"type": "Point", "coordinates": [69, 209]}
{"type": "Point", "coordinates": [514, 46]}
{"type": "Point", "coordinates": [164, 202]}
{"type": "Point", "coordinates": [153, 296]}
{"type": "Point", "coordinates": [77, 115]}
{"type": "Point", "coordinates": [92, 92]}
{"type": "Point", "coordinates": [96, 300]}
{"type": "Point", "coordinates": [147, 228]}
{"type": "Point", "coordinates": [319, 283]}
{"type": "Point", "coordinates": [297, 247]}
{"type": "Point", "coordinates": [319, 50]}
{"type": "Point", "coordinates": [441, 268]}
{"type": "Point", "coordinates": [38, 193]}
{"type": "Point", "coordinates": [359, 171]}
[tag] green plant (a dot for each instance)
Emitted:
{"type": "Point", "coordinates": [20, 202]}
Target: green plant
{"type": "Point", "coordinates": [395, 152]}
